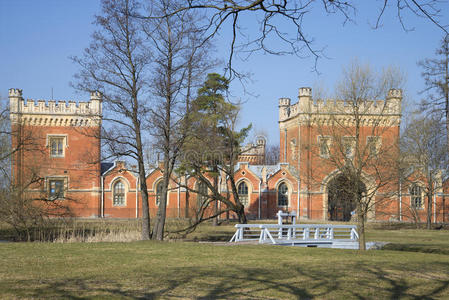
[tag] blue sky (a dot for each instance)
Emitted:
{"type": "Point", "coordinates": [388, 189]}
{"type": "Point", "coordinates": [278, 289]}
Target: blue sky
{"type": "Point", "coordinates": [37, 37]}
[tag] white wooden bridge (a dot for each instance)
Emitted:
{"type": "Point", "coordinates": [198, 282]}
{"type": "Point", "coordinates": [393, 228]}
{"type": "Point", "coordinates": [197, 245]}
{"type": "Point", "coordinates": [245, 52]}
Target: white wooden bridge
{"type": "Point", "coordinates": [305, 235]}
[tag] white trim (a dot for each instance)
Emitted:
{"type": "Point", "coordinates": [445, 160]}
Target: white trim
{"type": "Point", "coordinates": [119, 177]}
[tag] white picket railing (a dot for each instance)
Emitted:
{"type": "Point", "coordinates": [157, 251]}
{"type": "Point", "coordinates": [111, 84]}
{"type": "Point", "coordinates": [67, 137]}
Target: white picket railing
{"type": "Point", "coordinates": [277, 234]}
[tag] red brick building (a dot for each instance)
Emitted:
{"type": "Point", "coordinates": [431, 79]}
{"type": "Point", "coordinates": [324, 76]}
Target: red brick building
{"type": "Point", "coordinates": [61, 147]}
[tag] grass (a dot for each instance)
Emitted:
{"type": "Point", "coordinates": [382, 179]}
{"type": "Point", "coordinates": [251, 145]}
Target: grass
{"type": "Point", "coordinates": [416, 240]}
{"type": "Point", "coordinates": [200, 270]}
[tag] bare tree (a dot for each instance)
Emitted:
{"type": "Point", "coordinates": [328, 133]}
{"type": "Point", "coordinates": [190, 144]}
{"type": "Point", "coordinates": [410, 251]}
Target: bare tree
{"type": "Point", "coordinates": [358, 140]}
{"type": "Point", "coordinates": [272, 154]}
{"type": "Point", "coordinates": [180, 57]}
{"type": "Point", "coordinates": [423, 148]}
{"type": "Point", "coordinates": [145, 69]}
{"type": "Point", "coordinates": [116, 63]}
{"type": "Point", "coordinates": [281, 25]}
{"type": "Point", "coordinates": [436, 77]}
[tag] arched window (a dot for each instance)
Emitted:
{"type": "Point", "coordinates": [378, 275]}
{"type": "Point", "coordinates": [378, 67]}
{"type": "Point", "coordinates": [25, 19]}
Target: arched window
{"type": "Point", "coordinates": [119, 194]}
{"type": "Point", "coordinates": [242, 190]}
{"type": "Point", "coordinates": [201, 196]}
{"type": "Point", "coordinates": [158, 193]}
{"type": "Point", "coordinates": [416, 196]}
{"type": "Point", "coordinates": [283, 195]}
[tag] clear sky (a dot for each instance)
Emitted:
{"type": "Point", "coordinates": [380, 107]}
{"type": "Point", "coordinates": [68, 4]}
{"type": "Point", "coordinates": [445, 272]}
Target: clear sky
{"type": "Point", "coordinates": [37, 37]}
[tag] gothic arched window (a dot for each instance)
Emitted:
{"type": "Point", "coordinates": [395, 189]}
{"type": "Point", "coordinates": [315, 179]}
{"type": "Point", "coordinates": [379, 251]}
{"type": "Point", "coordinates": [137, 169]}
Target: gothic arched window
{"type": "Point", "coordinates": [283, 195]}
{"type": "Point", "coordinates": [158, 193]}
{"type": "Point", "coordinates": [119, 193]}
{"type": "Point", "coordinates": [242, 190]}
{"type": "Point", "coordinates": [202, 194]}
{"type": "Point", "coordinates": [416, 196]}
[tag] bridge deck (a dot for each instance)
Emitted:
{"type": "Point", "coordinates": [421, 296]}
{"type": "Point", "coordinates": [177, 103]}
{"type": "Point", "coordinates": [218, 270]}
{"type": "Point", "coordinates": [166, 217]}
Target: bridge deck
{"type": "Point", "coordinates": [303, 235]}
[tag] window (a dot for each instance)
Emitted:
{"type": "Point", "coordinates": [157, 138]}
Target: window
{"type": "Point", "coordinates": [56, 144]}
{"type": "Point", "coordinates": [242, 190]}
{"type": "Point", "coordinates": [348, 147]}
{"type": "Point", "coordinates": [373, 145]}
{"type": "Point", "coordinates": [282, 195]}
{"type": "Point", "coordinates": [119, 194]}
{"type": "Point", "coordinates": [324, 143]}
{"type": "Point", "coordinates": [158, 193]}
{"type": "Point", "coordinates": [202, 194]}
{"type": "Point", "coordinates": [416, 196]}
{"type": "Point", "coordinates": [55, 189]}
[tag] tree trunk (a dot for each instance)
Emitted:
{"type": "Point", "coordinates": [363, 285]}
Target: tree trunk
{"type": "Point", "coordinates": [429, 210]}
{"type": "Point", "coordinates": [186, 209]}
{"type": "Point", "coordinates": [142, 178]}
{"type": "Point", "coordinates": [215, 220]}
{"type": "Point", "coordinates": [158, 230]}
{"type": "Point", "coordinates": [446, 95]}
{"type": "Point", "coordinates": [145, 211]}
{"type": "Point", "coordinates": [241, 215]}
{"type": "Point", "coordinates": [361, 228]}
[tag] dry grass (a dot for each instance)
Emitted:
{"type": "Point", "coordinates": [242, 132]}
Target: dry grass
{"type": "Point", "coordinates": [151, 270]}
{"type": "Point", "coordinates": [69, 269]}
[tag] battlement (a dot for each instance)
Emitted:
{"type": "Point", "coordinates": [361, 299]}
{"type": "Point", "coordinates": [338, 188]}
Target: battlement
{"type": "Point", "coordinates": [45, 112]}
{"type": "Point", "coordinates": [305, 92]}
{"type": "Point", "coordinates": [96, 95]}
{"type": "Point", "coordinates": [389, 107]}
{"type": "Point", "coordinates": [15, 93]}
{"type": "Point", "coordinates": [284, 101]}
{"type": "Point", "coordinates": [394, 93]}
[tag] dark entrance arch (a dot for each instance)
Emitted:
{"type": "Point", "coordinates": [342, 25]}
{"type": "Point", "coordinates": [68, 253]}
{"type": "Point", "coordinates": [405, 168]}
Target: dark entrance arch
{"type": "Point", "coordinates": [341, 200]}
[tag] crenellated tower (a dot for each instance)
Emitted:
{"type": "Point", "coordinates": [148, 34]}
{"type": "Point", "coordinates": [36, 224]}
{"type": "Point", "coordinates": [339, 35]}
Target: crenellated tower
{"type": "Point", "coordinates": [310, 128]}
{"type": "Point", "coordinates": [58, 149]}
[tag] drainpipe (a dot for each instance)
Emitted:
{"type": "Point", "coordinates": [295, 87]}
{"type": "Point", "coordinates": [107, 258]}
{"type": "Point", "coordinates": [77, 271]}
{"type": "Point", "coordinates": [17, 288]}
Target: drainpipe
{"type": "Point", "coordinates": [400, 199]}
{"type": "Point", "coordinates": [297, 210]}
{"type": "Point", "coordinates": [258, 211]}
{"type": "Point", "coordinates": [179, 200]}
{"type": "Point", "coordinates": [102, 197]}
{"type": "Point", "coordinates": [137, 197]}
{"type": "Point", "coordinates": [285, 145]}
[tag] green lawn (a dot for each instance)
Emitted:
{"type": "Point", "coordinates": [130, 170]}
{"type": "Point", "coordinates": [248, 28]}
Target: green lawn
{"type": "Point", "coordinates": [201, 270]}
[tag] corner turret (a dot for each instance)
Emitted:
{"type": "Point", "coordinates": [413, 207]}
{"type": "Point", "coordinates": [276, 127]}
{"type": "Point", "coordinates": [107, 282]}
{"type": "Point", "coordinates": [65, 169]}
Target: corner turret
{"type": "Point", "coordinates": [15, 97]}
{"type": "Point", "coordinates": [96, 98]}
{"type": "Point", "coordinates": [284, 108]}
{"type": "Point", "coordinates": [393, 101]}
{"type": "Point", "coordinates": [305, 99]}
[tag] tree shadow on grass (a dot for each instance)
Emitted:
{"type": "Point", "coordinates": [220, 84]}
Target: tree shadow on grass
{"type": "Point", "coordinates": [396, 286]}
{"type": "Point", "coordinates": [289, 280]}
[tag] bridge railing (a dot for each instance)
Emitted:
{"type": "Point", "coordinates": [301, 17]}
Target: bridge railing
{"type": "Point", "coordinates": [246, 232]}
{"type": "Point", "coordinates": [306, 232]}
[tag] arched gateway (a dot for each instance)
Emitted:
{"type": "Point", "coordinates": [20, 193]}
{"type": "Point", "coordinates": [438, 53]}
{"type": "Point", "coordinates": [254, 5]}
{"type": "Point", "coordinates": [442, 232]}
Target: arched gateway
{"type": "Point", "coordinates": [341, 197]}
